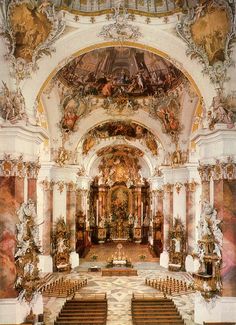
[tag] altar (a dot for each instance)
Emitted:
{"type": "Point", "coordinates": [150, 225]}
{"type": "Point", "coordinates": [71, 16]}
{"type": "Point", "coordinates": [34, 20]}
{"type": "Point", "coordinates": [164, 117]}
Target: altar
{"type": "Point", "coordinates": [120, 230]}
{"type": "Point", "coordinates": [119, 259]}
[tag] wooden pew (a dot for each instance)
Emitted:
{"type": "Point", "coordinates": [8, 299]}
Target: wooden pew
{"type": "Point", "coordinates": [84, 309]}
{"type": "Point", "coordinates": [151, 309]}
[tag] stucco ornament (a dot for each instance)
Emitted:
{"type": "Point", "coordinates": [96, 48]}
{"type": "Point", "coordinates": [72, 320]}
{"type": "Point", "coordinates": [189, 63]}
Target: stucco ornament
{"type": "Point", "coordinates": [120, 30]}
{"type": "Point", "coordinates": [27, 251]}
{"type": "Point", "coordinates": [30, 30]}
{"type": "Point", "coordinates": [209, 31]}
{"type": "Point", "coordinates": [12, 105]}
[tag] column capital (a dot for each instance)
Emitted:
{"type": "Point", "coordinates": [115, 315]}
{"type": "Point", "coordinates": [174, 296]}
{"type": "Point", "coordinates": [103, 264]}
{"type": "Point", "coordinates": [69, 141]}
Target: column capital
{"type": "Point", "coordinates": [191, 186]}
{"type": "Point", "coordinates": [70, 186]}
{"type": "Point", "coordinates": [168, 188]}
{"type": "Point", "coordinates": [18, 167]}
{"type": "Point", "coordinates": [47, 185]}
{"type": "Point", "coordinates": [178, 187]}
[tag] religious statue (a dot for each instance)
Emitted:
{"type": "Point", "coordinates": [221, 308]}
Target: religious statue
{"type": "Point", "coordinates": [146, 221]}
{"type": "Point", "coordinates": [27, 251]}
{"type": "Point", "coordinates": [209, 253]}
{"type": "Point", "coordinates": [101, 223]}
{"type": "Point", "coordinates": [136, 222]}
{"type": "Point", "coordinates": [177, 246]}
{"type": "Point", "coordinates": [61, 246]}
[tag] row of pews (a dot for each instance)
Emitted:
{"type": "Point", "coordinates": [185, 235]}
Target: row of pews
{"type": "Point", "coordinates": [152, 310]}
{"type": "Point", "coordinates": [62, 288]}
{"type": "Point", "coordinates": [170, 285]}
{"type": "Point", "coordinates": [87, 310]}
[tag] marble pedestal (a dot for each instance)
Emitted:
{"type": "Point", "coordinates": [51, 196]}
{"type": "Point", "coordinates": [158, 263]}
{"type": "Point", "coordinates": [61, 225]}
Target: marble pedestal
{"type": "Point", "coordinates": [13, 311]}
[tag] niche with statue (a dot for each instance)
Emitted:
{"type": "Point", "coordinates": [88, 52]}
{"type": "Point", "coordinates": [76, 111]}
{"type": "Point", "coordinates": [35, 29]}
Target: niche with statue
{"type": "Point", "coordinates": [209, 253]}
{"type": "Point", "coordinates": [177, 246]}
{"type": "Point", "coordinates": [61, 246]}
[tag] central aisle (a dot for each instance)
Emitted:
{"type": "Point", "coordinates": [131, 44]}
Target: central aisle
{"type": "Point", "coordinates": [119, 292]}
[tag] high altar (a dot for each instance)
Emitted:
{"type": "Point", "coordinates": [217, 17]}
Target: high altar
{"type": "Point", "coordinates": [119, 207]}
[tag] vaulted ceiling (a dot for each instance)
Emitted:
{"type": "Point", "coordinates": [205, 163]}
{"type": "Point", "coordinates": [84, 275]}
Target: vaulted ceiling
{"type": "Point", "coordinates": [120, 96]}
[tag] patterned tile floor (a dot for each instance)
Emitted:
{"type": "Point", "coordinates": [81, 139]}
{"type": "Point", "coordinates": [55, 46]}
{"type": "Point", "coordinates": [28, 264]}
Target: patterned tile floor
{"type": "Point", "coordinates": [119, 292]}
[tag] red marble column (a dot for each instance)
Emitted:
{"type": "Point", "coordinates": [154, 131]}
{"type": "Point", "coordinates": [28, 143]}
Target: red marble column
{"type": "Point", "coordinates": [205, 191]}
{"type": "Point", "coordinates": [190, 215]}
{"type": "Point", "coordinates": [71, 212]}
{"type": "Point", "coordinates": [224, 203]}
{"type": "Point", "coordinates": [11, 197]}
{"type": "Point", "coordinates": [168, 213]}
{"type": "Point", "coordinates": [32, 189]}
{"type": "Point", "coordinates": [160, 196]}
{"type": "Point", "coordinates": [48, 216]}
{"type": "Point", "coordinates": [78, 201]}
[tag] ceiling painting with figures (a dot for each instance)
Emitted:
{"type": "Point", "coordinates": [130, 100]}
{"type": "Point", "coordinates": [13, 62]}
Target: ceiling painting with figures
{"type": "Point", "coordinates": [121, 81]}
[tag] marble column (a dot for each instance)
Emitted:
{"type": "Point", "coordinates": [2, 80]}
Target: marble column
{"type": "Point", "coordinates": [12, 182]}
{"type": "Point", "coordinates": [71, 212]}
{"type": "Point", "coordinates": [168, 212]}
{"type": "Point", "coordinates": [190, 215]}
{"type": "Point", "coordinates": [205, 174]}
{"type": "Point", "coordinates": [160, 196]}
{"type": "Point", "coordinates": [47, 212]}
{"type": "Point", "coordinates": [78, 207]}
{"type": "Point", "coordinates": [48, 215]}
{"type": "Point", "coordinates": [139, 205]}
{"type": "Point", "coordinates": [224, 203]}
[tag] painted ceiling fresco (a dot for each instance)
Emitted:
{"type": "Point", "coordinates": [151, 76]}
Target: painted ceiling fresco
{"type": "Point", "coordinates": [210, 35]}
{"type": "Point", "coordinates": [129, 130]}
{"type": "Point", "coordinates": [116, 71]}
{"type": "Point", "coordinates": [31, 28]}
{"type": "Point", "coordinates": [120, 149]}
{"type": "Point", "coordinates": [119, 167]}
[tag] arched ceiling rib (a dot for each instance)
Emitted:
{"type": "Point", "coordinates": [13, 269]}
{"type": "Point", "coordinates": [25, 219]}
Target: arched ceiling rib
{"type": "Point", "coordinates": [102, 92]}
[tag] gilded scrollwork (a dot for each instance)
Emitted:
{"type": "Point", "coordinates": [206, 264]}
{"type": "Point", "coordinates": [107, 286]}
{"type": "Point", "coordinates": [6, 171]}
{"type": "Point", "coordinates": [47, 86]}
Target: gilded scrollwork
{"type": "Point", "coordinates": [209, 253]}
{"type": "Point", "coordinates": [10, 166]}
{"type": "Point", "coordinates": [47, 184]}
{"type": "Point", "coordinates": [219, 171]}
{"type": "Point", "coordinates": [177, 245]}
{"type": "Point", "coordinates": [62, 156]}
{"type": "Point", "coordinates": [209, 31]}
{"type": "Point", "coordinates": [178, 187]}
{"type": "Point", "coordinates": [61, 246]}
{"type": "Point", "coordinates": [71, 186]}
{"type": "Point", "coordinates": [191, 186]}
{"type": "Point", "coordinates": [60, 186]}
{"type": "Point", "coordinates": [27, 251]}
{"type": "Point", "coordinates": [30, 38]}
{"type": "Point", "coordinates": [168, 188]}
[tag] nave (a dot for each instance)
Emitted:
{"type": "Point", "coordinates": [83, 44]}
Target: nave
{"type": "Point", "coordinates": [119, 289]}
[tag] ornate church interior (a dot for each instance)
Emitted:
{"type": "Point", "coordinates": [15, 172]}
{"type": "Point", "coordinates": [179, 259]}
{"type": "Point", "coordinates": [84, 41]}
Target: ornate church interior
{"type": "Point", "coordinates": [117, 162]}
